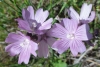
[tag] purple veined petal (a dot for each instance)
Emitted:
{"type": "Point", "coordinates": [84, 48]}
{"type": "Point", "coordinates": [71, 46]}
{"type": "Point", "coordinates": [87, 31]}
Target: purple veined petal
{"type": "Point", "coordinates": [46, 25]}
{"type": "Point", "coordinates": [73, 14]}
{"type": "Point", "coordinates": [25, 14]}
{"type": "Point", "coordinates": [70, 25]}
{"type": "Point", "coordinates": [77, 46]}
{"type": "Point", "coordinates": [43, 50]}
{"type": "Point", "coordinates": [44, 16]}
{"type": "Point", "coordinates": [91, 17]}
{"type": "Point", "coordinates": [7, 48]}
{"type": "Point", "coordinates": [40, 32]}
{"type": "Point", "coordinates": [39, 15]}
{"type": "Point", "coordinates": [73, 48]}
{"type": "Point", "coordinates": [50, 41]}
{"type": "Point", "coordinates": [20, 34]}
{"type": "Point", "coordinates": [22, 25]}
{"type": "Point", "coordinates": [57, 31]}
{"type": "Point", "coordinates": [34, 47]}
{"type": "Point", "coordinates": [80, 46]}
{"type": "Point", "coordinates": [31, 10]}
{"type": "Point", "coordinates": [62, 23]}
{"type": "Point", "coordinates": [85, 11]}
{"type": "Point", "coordinates": [12, 37]}
{"type": "Point", "coordinates": [13, 49]}
{"type": "Point", "coordinates": [24, 56]}
{"type": "Point", "coordinates": [82, 33]}
{"type": "Point", "coordinates": [61, 45]}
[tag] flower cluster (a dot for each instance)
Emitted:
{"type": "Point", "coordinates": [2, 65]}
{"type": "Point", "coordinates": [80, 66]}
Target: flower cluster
{"type": "Point", "coordinates": [41, 34]}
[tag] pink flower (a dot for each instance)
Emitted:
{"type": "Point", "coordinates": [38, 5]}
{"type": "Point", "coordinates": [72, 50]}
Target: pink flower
{"type": "Point", "coordinates": [34, 23]}
{"type": "Point", "coordinates": [84, 16]}
{"type": "Point", "coordinates": [70, 37]}
{"type": "Point", "coordinates": [21, 45]}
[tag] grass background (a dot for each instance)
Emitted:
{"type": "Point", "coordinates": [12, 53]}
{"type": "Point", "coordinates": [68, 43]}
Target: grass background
{"type": "Point", "coordinates": [11, 9]}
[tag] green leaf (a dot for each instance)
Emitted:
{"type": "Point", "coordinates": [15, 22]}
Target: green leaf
{"type": "Point", "coordinates": [60, 64]}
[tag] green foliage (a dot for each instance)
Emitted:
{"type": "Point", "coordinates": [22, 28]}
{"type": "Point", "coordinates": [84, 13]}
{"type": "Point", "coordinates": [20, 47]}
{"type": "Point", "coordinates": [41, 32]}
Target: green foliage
{"type": "Point", "coordinates": [60, 64]}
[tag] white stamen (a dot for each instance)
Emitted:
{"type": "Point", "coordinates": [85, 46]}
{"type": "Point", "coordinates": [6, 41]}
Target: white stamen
{"type": "Point", "coordinates": [70, 36]}
{"type": "Point", "coordinates": [34, 24]}
{"type": "Point", "coordinates": [24, 43]}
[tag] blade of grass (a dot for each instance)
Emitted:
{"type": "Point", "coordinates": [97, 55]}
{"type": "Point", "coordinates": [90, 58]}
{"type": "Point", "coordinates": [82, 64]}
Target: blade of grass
{"type": "Point", "coordinates": [12, 7]}
{"type": "Point", "coordinates": [40, 3]}
{"type": "Point", "coordinates": [64, 5]}
{"type": "Point", "coordinates": [14, 2]}
{"type": "Point", "coordinates": [53, 4]}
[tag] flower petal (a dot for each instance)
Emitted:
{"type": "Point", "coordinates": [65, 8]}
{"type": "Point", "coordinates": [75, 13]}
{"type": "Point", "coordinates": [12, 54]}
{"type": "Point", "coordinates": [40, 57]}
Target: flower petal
{"type": "Point", "coordinates": [82, 33]}
{"type": "Point", "coordinates": [46, 25]}
{"type": "Point", "coordinates": [91, 17]}
{"type": "Point", "coordinates": [22, 25]}
{"type": "Point", "coordinates": [43, 50]}
{"type": "Point", "coordinates": [31, 10]}
{"type": "Point", "coordinates": [25, 55]}
{"type": "Point", "coordinates": [85, 11]}
{"type": "Point", "coordinates": [13, 49]}
{"type": "Point", "coordinates": [70, 25]}
{"type": "Point", "coordinates": [34, 47]}
{"type": "Point", "coordinates": [77, 46]}
{"type": "Point", "coordinates": [12, 37]}
{"type": "Point", "coordinates": [57, 31]}
{"type": "Point", "coordinates": [39, 15]}
{"type": "Point", "coordinates": [73, 14]}
{"type": "Point", "coordinates": [44, 16]}
{"type": "Point", "coordinates": [25, 14]}
{"type": "Point", "coordinates": [50, 41]}
{"type": "Point", "coordinates": [61, 45]}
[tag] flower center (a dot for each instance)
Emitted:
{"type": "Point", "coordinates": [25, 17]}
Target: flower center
{"type": "Point", "coordinates": [34, 24]}
{"type": "Point", "coordinates": [25, 43]}
{"type": "Point", "coordinates": [70, 36]}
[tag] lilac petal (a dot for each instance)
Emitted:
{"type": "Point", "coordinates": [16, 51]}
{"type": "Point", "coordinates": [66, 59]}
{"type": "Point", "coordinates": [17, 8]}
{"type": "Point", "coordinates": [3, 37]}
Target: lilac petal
{"type": "Point", "coordinates": [62, 23]}
{"type": "Point", "coordinates": [22, 25]}
{"type": "Point", "coordinates": [77, 46]}
{"type": "Point", "coordinates": [39, 15]}
{"type": "Point", "coordinates": [12, 37]}
{"type": "Point", "coordinates": [44, 16]}
{"type": "Point", "coordinates": [57, 31]}
{"type": "Point", "coordinates": [25, 55]}
{"type": "Point", "coordinates": [13, 49]}
{"type": "Point", "coordinates": [25, 14]}
{"type": "Point", "coordinates": [34, 47]}
{"type": "Point", "coordinates": [46, 25]}
{"type": "Point", "coordinates": [73, 14]}
{"type": "Point", "coordinates": [91, 17]}
{"type": "Point", "coordinates": [50, 41]}
{"type": "Point", "coordinates": [82, 32]}
{"type": "Point", "coordinates": [21, 34]}
{"type": "Point", "coordinates": [31, 10]}
{"type": "Point", "coordinates": [85, 11]}
{"type": "Point", "coordinates": [73, 48]}
{"type": "Point", "coordinates": [80, 46]}
{"type": "Point", "coordinates": [61, 45]}
{"type": "Point", "coordinates": [40, 32]}
{"type": "Point", "coordinates": [43, 50]}
{"type": "Point", "coordinates": [70, 25]}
